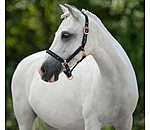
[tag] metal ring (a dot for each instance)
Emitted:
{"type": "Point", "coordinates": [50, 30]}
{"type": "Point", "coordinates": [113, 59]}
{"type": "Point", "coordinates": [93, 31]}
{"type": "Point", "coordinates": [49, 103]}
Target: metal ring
{"type": "Point", "coordinates": [70, 78]}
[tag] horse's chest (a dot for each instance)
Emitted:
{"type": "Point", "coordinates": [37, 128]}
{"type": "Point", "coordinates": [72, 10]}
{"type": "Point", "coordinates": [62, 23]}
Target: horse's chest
{"type": "Point", "coordinates": [57, 108]}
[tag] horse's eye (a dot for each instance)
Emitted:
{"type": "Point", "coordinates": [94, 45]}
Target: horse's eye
{"type": "Point", "coordinates": [65, 35]}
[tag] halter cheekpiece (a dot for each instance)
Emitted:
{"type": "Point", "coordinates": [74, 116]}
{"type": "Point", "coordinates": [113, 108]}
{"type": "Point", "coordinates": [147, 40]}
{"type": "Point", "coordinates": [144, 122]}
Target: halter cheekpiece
{"type": "Point", "coordinates": [65, 63]}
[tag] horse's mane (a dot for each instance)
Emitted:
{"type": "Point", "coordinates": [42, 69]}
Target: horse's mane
{"type": "Point", "coordinates": [93, 16]}
{"type": "Point", "coordinates": [96, 19]}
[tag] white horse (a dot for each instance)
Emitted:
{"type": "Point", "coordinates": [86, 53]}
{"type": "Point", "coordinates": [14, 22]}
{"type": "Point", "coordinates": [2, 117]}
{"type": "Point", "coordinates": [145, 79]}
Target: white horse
{"type": "Point", "coordinates": [99, 94]}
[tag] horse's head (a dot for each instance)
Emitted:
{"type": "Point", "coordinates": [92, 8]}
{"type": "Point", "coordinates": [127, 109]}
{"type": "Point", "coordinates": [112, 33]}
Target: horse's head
{"type": "Point", "coordinates": [67, 39]}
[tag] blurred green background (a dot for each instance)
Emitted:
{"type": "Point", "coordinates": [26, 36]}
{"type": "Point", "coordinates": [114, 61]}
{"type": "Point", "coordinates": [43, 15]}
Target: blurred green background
{"type": "Point", "coordinates": [31, 25]}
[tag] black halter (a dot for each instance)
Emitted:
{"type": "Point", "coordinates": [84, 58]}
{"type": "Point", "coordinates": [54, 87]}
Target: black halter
{"type": "Point", "coordinates": [65, 63]}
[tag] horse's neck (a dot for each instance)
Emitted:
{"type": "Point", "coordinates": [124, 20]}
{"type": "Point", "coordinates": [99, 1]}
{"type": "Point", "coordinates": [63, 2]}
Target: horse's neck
{"type": "Point", "coordinates": [107, 52]}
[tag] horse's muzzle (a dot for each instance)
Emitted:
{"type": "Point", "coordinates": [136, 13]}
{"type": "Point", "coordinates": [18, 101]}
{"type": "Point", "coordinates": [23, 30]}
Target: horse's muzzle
{"type": "Point", "coordinates": [49, 71]}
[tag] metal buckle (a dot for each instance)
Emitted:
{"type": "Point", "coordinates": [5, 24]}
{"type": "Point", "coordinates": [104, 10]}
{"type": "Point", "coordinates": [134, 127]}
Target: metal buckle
{"type": "Point", "coordinates": [63, 64]}
{"type": "Point", "coordinates": [86, 30]}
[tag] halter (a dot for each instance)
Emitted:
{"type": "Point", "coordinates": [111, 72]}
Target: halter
{"type": "Point", "coordinates": [65, 63]}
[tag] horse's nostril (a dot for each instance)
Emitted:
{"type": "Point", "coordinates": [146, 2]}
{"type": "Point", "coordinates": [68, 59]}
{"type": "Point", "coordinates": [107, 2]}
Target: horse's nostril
{"type": "Point", "coordinates": [43, 69]}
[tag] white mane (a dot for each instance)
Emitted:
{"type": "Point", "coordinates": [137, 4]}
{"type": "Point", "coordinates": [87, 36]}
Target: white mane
{"type": "Point", "coordinates": [96, 19]}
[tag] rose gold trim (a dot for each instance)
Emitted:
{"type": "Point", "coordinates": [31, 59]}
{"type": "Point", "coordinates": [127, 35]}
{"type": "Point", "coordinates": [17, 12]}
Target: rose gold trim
{"type": "Point", "coordinates": [65, 63]}
{"type": "Point", "coordinates": [84, 30]}
{"type": "Point", "coordinates": [70, 78]}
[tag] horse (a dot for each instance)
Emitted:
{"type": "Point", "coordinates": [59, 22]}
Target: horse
{"type": "Point", "coordinates": [103, 89]}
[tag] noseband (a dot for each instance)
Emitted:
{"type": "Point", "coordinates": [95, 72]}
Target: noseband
{"type": "Point", "coordinates": [65, 63]}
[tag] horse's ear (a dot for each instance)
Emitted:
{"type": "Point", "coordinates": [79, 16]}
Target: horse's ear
{"type": "Point", "coordinates": [72, 11]}
{"type": "Point", "coordinates": [64, 9]}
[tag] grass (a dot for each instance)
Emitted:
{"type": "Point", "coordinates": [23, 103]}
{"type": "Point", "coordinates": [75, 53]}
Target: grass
{"type": "Point", "coordinates": [40, 125]}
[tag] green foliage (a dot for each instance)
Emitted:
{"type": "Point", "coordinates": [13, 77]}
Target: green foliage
{"type": "Point", "coordinates": [31, 25]}
{"type": "Point", "coordinates": [39, 124]}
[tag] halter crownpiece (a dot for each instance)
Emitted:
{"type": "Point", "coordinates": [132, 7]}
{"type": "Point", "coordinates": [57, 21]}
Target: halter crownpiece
{"type": "Point", "coordinates": [65, 63]}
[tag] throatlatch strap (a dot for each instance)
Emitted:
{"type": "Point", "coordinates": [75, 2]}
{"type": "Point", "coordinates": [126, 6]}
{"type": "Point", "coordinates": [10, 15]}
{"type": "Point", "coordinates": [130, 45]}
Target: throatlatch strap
{"type": "Point", "coordinates": [81, 48]}
{"type": "Point", "coordinates": [74, 54]}
{"type": "Point", "coordinates": [78, 62]}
